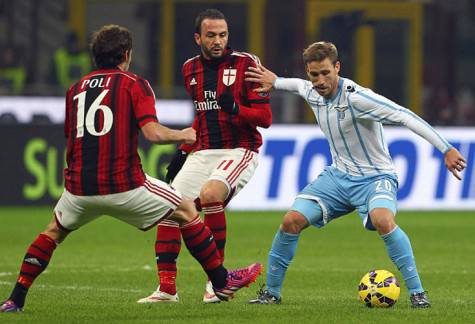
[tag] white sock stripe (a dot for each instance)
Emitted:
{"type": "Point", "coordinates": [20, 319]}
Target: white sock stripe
{"type": "Point", "coordinates": [161, 194]}
{"type": "Point", "coordinates": [212, 210]}
{"type": "Point", "coordinates": [243, 160]}
{"type": "Point", "coordinates": [169, 223]}
{"type": "Point", "coordinates": [242, 168]}
{"type": "Point", "coordinates": [197, 220]}
{"type": "Point", "coordinates": [170, 192]}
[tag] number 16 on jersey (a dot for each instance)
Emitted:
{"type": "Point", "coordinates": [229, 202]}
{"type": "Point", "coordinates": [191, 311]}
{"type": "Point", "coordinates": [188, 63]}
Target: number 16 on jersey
{"type": "Point", "coordinates": [89, 117]}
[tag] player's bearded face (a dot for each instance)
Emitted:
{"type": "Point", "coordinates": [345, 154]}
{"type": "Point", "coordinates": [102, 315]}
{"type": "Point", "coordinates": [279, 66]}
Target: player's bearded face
{"type": "Point", "coordinates": [324, 77]}
{"type": "Point", "coordinates": [213, 38]}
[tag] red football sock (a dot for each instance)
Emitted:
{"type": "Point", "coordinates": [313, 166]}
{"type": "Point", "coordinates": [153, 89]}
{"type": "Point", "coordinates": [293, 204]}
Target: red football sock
{"type": "Point", "coordinates": [167, 248]}
{"type": "Point", "coordinates": [200, 243]}
{"type": "Point", "coordinates": [35, 261]}
{"type": "Point", "coordinates": [215, 219]}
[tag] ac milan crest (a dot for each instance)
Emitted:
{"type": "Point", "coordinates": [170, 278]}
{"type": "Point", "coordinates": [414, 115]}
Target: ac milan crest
{"type": "Point", "coordinates": [229, 76]}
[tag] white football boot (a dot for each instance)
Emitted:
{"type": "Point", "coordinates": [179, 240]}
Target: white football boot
{"type": "Point", "coordinates": [160, 297]}
{"type": "Point", "coordinates": [210, 297]}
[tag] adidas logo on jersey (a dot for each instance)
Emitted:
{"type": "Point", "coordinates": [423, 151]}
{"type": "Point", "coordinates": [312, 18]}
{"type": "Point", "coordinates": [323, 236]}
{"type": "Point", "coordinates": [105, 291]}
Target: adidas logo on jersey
{"type": "Point", "coordinates": [192, 82]}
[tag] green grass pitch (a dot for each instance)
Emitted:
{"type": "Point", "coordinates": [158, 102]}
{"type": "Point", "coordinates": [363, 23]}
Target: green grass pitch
{"type": "Point", "coordinates": [99, 272]}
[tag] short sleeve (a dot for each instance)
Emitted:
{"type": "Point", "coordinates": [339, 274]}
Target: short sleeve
{"type": "Point", "coordinates": [143, 100]}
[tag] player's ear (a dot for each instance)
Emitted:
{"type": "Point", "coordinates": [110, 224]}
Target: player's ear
{"type": "Point", "coordinates": [306, 69]}
{"type": "Point", "coordinates": [337, 66]}
{"type": "Point", "coordinates": [198, 39]}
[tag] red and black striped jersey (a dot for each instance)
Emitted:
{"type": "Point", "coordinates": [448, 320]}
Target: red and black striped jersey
{"type": "Point", "coordinates": [205, 80]}
{"type": "Point", "coordinates": [104, 112]}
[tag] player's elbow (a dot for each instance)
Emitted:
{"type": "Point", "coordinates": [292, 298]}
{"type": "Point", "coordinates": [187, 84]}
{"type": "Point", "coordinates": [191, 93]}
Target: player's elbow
{"type": "Point", "coordinates": [151, 132]}
{"type": "Point", "coordinates": [152, 137]}
{"type": "Point", "coordinates": [266, 119]}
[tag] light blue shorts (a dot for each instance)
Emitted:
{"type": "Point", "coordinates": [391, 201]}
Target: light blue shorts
{"type": "Point", "coordinates": [337, 193]}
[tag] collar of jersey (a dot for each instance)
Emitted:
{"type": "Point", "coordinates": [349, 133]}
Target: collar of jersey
{"type": "Point", "coordinates": [217, 61]}
{"type": "Point", "coordinates": [340, 86]}
{"type": "Point", "coordinates": [108, 69]}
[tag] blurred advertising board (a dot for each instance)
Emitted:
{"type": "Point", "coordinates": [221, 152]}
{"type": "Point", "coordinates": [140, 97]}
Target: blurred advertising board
{"type": "Point", "coordinates": [32, 159]}
{"type": "Point", "coordinates": [24, 109]}
{"type": "Point", "coordinates": [293, 156]}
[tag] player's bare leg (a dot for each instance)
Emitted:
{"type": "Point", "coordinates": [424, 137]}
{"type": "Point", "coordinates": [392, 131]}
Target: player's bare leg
{"type": "Point", "coordinates": [400, 251]}
{"type": "Point", "coordinates": [34, 263]}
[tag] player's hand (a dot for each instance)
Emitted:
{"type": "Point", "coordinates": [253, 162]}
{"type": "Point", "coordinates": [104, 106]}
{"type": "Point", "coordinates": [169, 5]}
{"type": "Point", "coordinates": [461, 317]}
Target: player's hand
{"type": "Point", "coordinates": [227, 104]}
{"type": "Point", "coordinates": [261, 75]}
{"type": "Point", "coordinates": [189, 136]}
{"type": "Point", "coordinates": [455, 162]}
{"type": "Point", "coordinates": [175, 165]}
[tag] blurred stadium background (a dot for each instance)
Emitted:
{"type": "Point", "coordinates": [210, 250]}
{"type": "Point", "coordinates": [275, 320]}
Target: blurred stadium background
{"type": "Point", "coordinates": [418, 53]}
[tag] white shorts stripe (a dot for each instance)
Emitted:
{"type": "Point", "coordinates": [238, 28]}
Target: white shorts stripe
{"type": "Point", "coordinates": [205, 165]}
{"type": "Point", "coordinates": [142, 207]}
{"type": "Point", "coordinates": [381, 197]}
{"type": "Point", "coordinates": [161, 194]}
{"type": "Point", "coordinates": [238, 170]}
{"type": "Point", "coordinates": [243, 160]}
{"type": "Point", "coordinates": [163, 189]}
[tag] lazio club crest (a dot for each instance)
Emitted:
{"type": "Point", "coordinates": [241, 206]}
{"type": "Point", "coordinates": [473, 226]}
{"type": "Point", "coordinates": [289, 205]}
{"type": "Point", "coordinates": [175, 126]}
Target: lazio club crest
{"type": "Point", "coordinates": [341, 111]}
{"type": "Point", "coordinates": [229, 76]}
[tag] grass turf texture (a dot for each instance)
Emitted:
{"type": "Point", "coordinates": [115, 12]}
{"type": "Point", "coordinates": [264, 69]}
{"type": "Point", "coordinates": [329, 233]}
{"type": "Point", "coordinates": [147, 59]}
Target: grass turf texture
{"type": "Point", "coordinates": [99, 272]}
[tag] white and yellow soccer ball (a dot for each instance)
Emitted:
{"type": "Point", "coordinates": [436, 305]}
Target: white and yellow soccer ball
{"type": "Point", "coordinates": [379, 288]}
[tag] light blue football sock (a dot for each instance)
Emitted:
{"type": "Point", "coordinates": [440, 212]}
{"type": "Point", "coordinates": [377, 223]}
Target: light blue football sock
{"type": "Point", "coordinates": [400, 251]}
{"type": "Point", "coordinates": [280, 256]}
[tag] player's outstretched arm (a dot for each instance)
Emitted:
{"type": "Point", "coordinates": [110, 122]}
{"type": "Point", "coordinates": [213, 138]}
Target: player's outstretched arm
{"type": "Point", "coordinates": [160, 134]}
{"type": "Point", "coordinates": [261, 75]}
{"type": "Point", "coordinates": [268, 80]}
{"type": "Point", "coordinates": [455, 162]}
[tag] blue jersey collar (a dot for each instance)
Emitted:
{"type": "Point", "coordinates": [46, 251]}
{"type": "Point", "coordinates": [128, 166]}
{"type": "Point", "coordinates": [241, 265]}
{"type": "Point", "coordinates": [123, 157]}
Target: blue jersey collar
{"type": "Point", "coordinates": [340, 86]}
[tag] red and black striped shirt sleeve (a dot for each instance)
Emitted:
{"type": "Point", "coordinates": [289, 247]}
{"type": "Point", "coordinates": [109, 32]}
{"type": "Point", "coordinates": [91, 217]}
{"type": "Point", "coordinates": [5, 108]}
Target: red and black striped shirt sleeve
{"type": "Point", "coordinates": [143, 99]}
{"type": "Point", "coordinates": [258, 111]}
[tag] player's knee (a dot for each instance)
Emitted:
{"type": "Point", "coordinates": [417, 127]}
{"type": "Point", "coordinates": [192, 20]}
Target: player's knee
{"type": "Point", "coordinates": [54, 232]}
{"type": "Point", "coordinates": [185, 212]}
{"type": "Point", "coordinates": [294, 222]}
{"type": "Point", "coordinates": [213, 191]}
{"type": "Point", "coordinates": [383, 220]}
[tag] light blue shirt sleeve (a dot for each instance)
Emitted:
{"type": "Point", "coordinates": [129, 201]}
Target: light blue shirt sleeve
{"type": "Point", "coordinates": [370, 105]}
{"type": "Point", "coordinates": [296, 86]}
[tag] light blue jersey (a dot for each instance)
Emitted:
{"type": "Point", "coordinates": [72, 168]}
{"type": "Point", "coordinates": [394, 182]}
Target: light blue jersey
{"type": "Point", "coordinates": [361, 177]}
{"type": "Point", "coordinates": [352, 122]}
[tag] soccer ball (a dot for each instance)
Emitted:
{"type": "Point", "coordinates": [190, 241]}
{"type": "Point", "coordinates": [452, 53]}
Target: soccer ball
{"type": "Point", "coordinates": [379, 288]}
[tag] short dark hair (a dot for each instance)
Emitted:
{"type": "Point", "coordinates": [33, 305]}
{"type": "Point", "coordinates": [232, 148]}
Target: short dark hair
{"type": "Point", "coordinates": [319, 51]}
{"type": "Point", "coordinates": [109, 44]}
{"type": "Point", "coordinates": [207, 14]}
